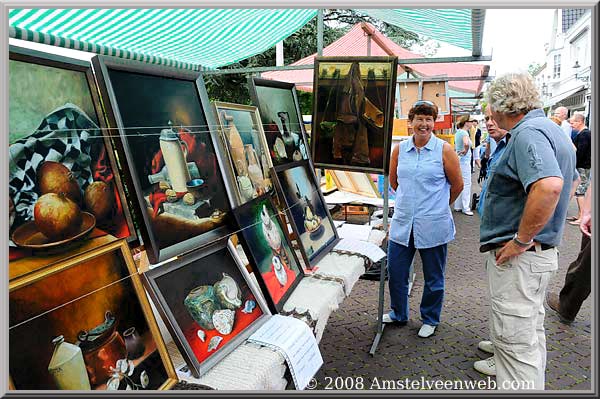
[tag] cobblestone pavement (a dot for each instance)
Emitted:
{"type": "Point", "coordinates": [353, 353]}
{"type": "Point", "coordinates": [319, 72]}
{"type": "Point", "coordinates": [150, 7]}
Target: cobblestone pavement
{"type": "Point", "coordinates": [449, 354]}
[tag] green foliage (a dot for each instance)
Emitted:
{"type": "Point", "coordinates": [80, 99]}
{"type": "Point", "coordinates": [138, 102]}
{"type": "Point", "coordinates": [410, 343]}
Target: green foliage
{"type": "Point", "coordinates": [302, 43]}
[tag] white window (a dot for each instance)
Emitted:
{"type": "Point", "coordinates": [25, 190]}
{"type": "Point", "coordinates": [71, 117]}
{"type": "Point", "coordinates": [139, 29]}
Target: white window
{"type": "Point", "coordinates": [556, 74]}
{"type": "Point", "coordinates": [579, 49]}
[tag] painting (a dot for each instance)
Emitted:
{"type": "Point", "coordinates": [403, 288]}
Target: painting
{"type": "Point", "coordinates": [168, 153]}
{"type": "Point", "coordinates": [409, 93]}
{"type": "Point", "coordinates": [307, 210]}
{"type": "Point", "coordinates": [355, 182]}
{"type": "Point", "coordinates": [243, 136]}
{"type": "Point", "coordinates": [437, 93]}
{"type": "Point", "coordinates": [276, 267]}
{"type": "Point", "coordinates": [59, 157]}
{"type": "Point", "coordinates": [281, 118]}
{"type": "Point", "coordinates": [207, 303]}
{"type": "Point", "coordinates": [86, 325]}
{"type": "Point", "coordinates": [353, 108]}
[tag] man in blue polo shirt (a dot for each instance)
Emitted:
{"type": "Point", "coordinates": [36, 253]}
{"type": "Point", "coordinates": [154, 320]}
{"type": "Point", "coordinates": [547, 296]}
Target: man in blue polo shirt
{"type": "Point", "coordinates": [523, 218]}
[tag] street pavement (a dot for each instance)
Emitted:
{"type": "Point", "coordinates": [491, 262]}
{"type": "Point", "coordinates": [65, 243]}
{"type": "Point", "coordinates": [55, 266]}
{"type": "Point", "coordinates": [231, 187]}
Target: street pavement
{"type": "Point", "coordinates": [449, 354]}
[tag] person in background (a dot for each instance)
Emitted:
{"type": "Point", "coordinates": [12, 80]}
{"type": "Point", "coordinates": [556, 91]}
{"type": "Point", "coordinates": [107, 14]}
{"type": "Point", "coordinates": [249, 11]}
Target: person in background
{"type": "Point", "coordinates": [578, 280]}
{"type": "Point", "coordinates": [462, 146]}
{"type": "Point", "coordinates": [425, 173]}
{"type": "Point", "coordinates": [500, 137]}
{"type": "Point", "coordinates": [522, 223]}
{"type": "Point", "coordinates": [556, 120]}
{"type": "Point", "coordinates": [583, 144]}
{"type": "Point", "coordinates": [562, 113]}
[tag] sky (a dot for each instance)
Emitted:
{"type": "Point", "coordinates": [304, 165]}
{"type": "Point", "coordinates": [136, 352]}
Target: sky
{"type": "Point", "coordinates": [514, 38]}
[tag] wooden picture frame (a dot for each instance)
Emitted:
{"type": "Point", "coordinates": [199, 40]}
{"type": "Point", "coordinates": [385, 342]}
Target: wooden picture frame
{"type": "Point", "coordinates": [99, 294]}
{"type": "Point", "coordinates": [59, 142]}
{"type": "Point", "coordinates": [265, 239]}
{"type": "Point", "coordinates": [437, 93]}
{"type": "Point", "coordinates": [280, 113]}
{"type": "Point", "coordinates": [355, 182]}
{"type": "Point", "coordinates": [353, 111]}
{"type": "Point", "coordinates": [241, 132]}
{"type": "Point", "coordinates": [409, 93]}
{"type": "Point", "coordinates": [297, 185]}
{"type": "Point", "coordinates": [434, 91]}
{"type": "Point", "coordinates": [200, 316]}
{"type": "Point", "coordinates": [140, 101]}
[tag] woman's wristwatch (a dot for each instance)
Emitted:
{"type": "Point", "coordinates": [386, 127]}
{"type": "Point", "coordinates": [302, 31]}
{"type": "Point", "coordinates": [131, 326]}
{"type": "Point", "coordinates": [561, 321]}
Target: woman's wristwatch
{"type": "Point", "coordinates": [521, 243]}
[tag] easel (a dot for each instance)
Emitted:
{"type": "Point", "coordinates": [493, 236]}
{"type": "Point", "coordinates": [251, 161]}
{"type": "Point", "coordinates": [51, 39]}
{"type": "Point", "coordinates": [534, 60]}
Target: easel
{"type": "Point", "coordinates": [380, 325]}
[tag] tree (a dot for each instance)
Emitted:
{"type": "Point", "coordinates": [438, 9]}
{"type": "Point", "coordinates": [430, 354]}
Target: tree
{"type": "Point", "coordinates": [302, 43]}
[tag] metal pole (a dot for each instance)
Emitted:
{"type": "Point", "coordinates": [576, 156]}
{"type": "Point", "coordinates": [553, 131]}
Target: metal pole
{"type": "Point", "coordinates": [320, 31]}
{"type": "Point", "coordinates": [368, 45]}
{"type": "Point", "coordinates": [380, 325]}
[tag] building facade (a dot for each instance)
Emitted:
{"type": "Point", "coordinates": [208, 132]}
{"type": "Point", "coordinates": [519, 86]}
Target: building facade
{"type": "Point", "coordinates": [564, 79]}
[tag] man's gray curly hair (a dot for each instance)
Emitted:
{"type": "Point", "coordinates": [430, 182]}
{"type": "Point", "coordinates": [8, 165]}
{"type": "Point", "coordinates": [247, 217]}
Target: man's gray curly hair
{"type": "Point", "coordinates": [513, 93]}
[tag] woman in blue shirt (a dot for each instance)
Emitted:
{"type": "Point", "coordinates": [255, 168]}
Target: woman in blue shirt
{"type": "Point", "coordinates": [425, 173]}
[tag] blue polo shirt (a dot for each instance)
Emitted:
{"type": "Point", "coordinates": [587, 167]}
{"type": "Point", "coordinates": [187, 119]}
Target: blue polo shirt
{"type": "Point", "coordinates": [538, 148]}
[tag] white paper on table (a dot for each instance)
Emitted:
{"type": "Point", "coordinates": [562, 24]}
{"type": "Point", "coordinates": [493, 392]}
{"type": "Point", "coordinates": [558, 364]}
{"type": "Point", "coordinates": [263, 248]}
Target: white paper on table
{"type": "Point", "coordinates": [295, 341]}
{"type": "Point", "coordinates": [338, 223]}
{"type": "Point", "coordinates": [355, 231]}
{"type": "Point", "coordinates": [368, 249]}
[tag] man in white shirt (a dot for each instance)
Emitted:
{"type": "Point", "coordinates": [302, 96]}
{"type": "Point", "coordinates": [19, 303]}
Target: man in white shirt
{"type": "Point", "coordinates": [561, 113]}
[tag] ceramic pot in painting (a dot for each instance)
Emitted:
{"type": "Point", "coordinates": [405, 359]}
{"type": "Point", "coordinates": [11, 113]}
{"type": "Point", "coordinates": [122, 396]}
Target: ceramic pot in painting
{"type": "Point", "coordinates": [102, 347]}
{"type": "Point", "coordinates": [133, 343]}
{"type": "Point", "coordinates": [201, 304]}
{"type": "Point", "coordinates": [67, 366]}
{"type": "Point", "coordinates": [174, 151]}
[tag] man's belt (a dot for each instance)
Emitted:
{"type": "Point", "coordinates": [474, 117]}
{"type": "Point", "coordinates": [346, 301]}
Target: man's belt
{"type": "Point", "coordinates": [491, 246]}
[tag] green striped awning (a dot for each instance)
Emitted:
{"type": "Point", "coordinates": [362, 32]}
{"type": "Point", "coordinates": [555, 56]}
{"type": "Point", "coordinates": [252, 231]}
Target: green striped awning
{"type": "Point", "coordinates": [453, 26]}
{"type": "Point", "coordinates": [184, 38]}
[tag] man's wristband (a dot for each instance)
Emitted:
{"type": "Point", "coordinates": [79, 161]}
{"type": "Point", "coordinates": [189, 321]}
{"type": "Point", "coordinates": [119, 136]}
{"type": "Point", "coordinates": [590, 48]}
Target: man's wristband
{"type": "Point", "coordinates": [521, 243]}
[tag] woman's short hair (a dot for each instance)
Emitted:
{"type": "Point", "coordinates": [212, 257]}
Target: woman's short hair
{"type": "Point", "coordinates": [514, 94]}
{"type": "Point", "coordinates": [422, 108]}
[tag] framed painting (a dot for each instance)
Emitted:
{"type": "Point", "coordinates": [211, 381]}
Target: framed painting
{"type": "Point", "coordinates": [207, 303]}
{"type": "Point", "coordinates": [86, 324]}
{"type": "Point", "coordinates": [243, 136]}
{"type": "Point", "coordinates": [355, 182]}
{"type": "Point", "coordinates": [353, 109]}
{"type": "Point", "coordinates": [409, 93]}
{"type": "Point", "coordinates": [59, 155]}
{"type": "Point", "coordinates": [281, 118]}
{"type": "Point", "coordinates": [275, 265]}
{"type": "Point", "coordinates": [169, 154]}
{"type": "Point", "coordinates": [306, 210]}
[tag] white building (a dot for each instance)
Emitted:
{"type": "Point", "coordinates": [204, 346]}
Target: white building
{"type": "Point", "coordinates": [564, 79]}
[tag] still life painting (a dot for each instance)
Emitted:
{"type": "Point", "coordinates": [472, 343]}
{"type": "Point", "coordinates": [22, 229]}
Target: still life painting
{"type": "Point", "coordinates": [282, 120]}
{"type": "Point", "coordinates": [207, 303]}
{"type": "Point", "coordinates": [277, 268]}
{"type": "Point", "coordinates": [249, 159]}
{"type": "Point", "coordinates": [64, 188]}
{"type": "Point", "coordinates": [168, 153]}
{"type": "Point", "coordinates": [353, 112]}
{"type": "Point", "coordinates": [86, 326]}
{"type": "Point", "coordinates": [307, 210]}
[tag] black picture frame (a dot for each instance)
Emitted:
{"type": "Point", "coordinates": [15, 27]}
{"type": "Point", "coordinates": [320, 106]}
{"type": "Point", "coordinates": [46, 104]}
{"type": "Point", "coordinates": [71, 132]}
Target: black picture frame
{"type": "Point", "coordinates": [40, 59]}
{"type": "Point", "coordinates": [194, 234]}
{"type": "Point", "coordinates": [256, 84]}
{"type": "Point", "coordinates": [250, 239]}
{"type": "Point", "coordinates": [170, 283]}
{"type": "Point", "coordinates": [294, 208]}
{"type": "Point", "coordinates": [330, 121]}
